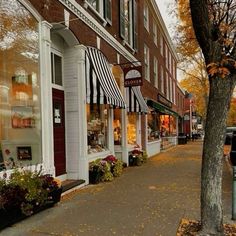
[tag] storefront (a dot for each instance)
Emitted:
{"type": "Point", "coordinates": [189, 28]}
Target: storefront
{"type": "Point", "coordinates": [127, 123]}
{"type": "Point", "coordinates": [104, 101]}
{"type": "Point", "coordinates": [20, 87]}
{"type": "Point", "coordinates": [162, 125]}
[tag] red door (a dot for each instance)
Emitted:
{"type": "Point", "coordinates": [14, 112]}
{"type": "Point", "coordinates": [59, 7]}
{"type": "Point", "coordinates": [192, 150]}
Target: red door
{"type": "Point", "coordinates": [59, 132]}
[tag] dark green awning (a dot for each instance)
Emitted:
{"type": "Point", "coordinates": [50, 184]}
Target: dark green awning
{"type": "Point", "coordinates": [159, 107]}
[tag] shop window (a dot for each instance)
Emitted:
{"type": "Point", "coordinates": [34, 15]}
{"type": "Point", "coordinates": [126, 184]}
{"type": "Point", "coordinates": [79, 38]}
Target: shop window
{"type": "Point", "coordinates": [153, 126]}
{"type": "Point", "coordinates": [97, 118]}
{"type": "Point", "coordinates": [168, 125]}
{"type": "Point", "coordinates": [132, 128]}
{"type": "Point", "coordinates": [20, 117]}
{"type": "Point", "coordinates": [117, 126]}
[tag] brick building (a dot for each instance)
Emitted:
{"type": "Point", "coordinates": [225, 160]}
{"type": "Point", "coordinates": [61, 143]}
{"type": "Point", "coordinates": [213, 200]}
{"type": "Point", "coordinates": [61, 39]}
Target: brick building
{"type": "Point", "coordinates": [62, 96]}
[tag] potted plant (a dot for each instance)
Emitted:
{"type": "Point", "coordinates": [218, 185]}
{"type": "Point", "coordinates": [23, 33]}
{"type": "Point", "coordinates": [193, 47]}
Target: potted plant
{"type": "Point", "coordinates": [115, 164]}
{"type": "Point", "coordinates": [26, 192]}
{"type": "Point", "coordinates": [95, 171]}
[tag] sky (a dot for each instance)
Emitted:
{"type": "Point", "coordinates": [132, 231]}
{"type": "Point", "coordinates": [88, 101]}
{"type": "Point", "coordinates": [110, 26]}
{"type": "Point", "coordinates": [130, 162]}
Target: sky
{"type": "Point", "coordinates": [163, 7]}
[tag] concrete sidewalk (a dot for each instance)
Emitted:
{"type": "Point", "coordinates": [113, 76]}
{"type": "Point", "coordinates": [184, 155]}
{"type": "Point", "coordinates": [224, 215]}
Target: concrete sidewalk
{"type": "Point", "coordinates": [147, 200]}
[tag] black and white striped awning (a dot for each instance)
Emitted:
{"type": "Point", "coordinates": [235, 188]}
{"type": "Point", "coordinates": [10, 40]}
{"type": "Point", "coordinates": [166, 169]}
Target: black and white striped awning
{"type": "Point", "coordinates": [135, 100]}
{"type": "Point", "coordinates": [101, 86]}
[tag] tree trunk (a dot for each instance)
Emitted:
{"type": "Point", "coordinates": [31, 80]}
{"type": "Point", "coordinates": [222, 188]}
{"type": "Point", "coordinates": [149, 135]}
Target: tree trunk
{"type": "Point", "coordinates": [212, 158]}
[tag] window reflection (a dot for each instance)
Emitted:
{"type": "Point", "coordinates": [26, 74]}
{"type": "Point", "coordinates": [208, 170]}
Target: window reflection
{"type": "Point", "coordinates": [20, 122]}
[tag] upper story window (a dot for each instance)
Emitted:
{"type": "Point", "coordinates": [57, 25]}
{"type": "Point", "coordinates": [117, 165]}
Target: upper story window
{"type": "Point", "coordinates": [167, 86]}
{"type": "Point", "coordinates": [166, 55]}
{"type": "Point", "coordinates": [128, 22]}
{"type": "Point", "coordinates": [155, 32]}
{"type": "Point", "coordinates": [146, 63]}
{"type": "Point", "coordinates": [146, 16]}
{"type": "Point", "coordinates": [174, 92]}
{"type": "Point", "coordinates": [162, 45]}
{"type": "Point", "coordinates": [162, 79]}
{"type": "Point", "coordinates": [155, 71]}
{"type": "Point", "coordinates": [102, 7]}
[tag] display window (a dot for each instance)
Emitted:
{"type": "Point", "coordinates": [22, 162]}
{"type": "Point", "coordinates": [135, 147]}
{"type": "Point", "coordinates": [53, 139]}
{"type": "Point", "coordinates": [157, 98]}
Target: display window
{"type": "Point", "coordinates": [153, 126]}
{"type": "Point", "coordinates": [20, 116]}
{"type": "Point", "coordinates": [132, 128]}
{"type": "Point", "coordinates": [168, 125]}
{"type": "Point", "coordinates": [117, 126]}
{"type": "Point", "coordinates": [97, 123]}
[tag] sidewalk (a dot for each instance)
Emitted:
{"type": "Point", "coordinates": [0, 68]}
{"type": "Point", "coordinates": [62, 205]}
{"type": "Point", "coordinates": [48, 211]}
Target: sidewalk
{"type": "Point", "coordinates": [148, 200]}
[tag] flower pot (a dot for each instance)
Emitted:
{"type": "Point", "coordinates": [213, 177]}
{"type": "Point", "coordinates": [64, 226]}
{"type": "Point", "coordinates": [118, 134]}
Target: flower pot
{"type": "Point", "coordinates": [95, 176]}
{"type": "Point", "coordinates": [55, 195]}
{"type": "Point", "coordinates": [133, 160]}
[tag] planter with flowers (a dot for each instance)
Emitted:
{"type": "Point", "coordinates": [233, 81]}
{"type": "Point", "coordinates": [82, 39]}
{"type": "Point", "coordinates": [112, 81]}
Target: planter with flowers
{"type": "Point", "coordinates": [137, 157]}
{"type": "Point", "coordinates": [105, 169]}
{"type": "Point", "coordinates": [24, 193]}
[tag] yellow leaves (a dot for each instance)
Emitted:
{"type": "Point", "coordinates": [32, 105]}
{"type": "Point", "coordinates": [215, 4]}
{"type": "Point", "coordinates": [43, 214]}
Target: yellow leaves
{"type": "Point", "coordinates": [216, 69]}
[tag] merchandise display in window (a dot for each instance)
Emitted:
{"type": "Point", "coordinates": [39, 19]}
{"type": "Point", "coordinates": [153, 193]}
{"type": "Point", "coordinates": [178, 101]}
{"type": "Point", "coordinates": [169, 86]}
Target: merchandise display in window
{"type": "Point", "coordinates": [97, 128]}
{"type": "Point", "coordinates": [131, 129]}
{"type": "Point", "coordinates": [117, 127]}
{"type": "Point", "coordinates": [20, 119]}
{"type": "Point", "coordinates": [153, 127]}
{"type": "Point", "coordinates": [168, 125]}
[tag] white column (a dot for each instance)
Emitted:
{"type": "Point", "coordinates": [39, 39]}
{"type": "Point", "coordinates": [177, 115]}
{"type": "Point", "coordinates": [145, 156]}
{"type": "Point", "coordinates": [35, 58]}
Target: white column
{"type": "Point", "coordinates": [124, 146]}
{"type": "Point", "coordinates": [46, 99]}
{"type": "Point", "coordinates": [110, 130]}
{"type": "Point", "coordinates": [82, 142]}
{"type": "Point", "coordinates": [138, 131]}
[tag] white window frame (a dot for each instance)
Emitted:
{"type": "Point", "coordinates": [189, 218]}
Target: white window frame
{"type": "Point", "coordinates": [128, 38]}
{"type": "Point", "coordinates": [155, 32]}
{"type": "Point", "coordinates": [162, 45]}
{"type": "Point", "coordinates": [167, 86]}
{"type": "Point", "coordinates": [171, 89]}
{"type": "Point", "coordinates": [147, 62]}
{"type": "Point", "coordinates": [155, 72]}
{"type": "Point", "coordinates": [162, 79]}
{"type": "Point", "coordinates": [146, 16]}
{"type": "Point", "coordinates": [54, 85]}
{"type": "Point", "coordinates": [100, 10]}
{"type": "Point", "coordinates": [174, 92]}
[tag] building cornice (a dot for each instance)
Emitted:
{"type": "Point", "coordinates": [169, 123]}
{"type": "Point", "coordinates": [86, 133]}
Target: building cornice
{"type": "Point", "coordinates": [84, 16]}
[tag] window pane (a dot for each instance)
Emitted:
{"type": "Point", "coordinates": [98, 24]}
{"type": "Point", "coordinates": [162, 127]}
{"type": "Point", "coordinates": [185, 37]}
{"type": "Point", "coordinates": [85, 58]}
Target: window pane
{"type": "Point", "coordinates": [20, 120]}
{"type": "Point", "coordinates": [117, 126]}
{"type": "Point", "coordinates": [58, 69]}
{"type": "Point", "coordinates": [131, 128]}
{"type": "Point", "coordinates": [108, 10]}
{"type": "Point", "coordinates": [94, 4]}
{"type": "Point", "coordinates": [97, 120]}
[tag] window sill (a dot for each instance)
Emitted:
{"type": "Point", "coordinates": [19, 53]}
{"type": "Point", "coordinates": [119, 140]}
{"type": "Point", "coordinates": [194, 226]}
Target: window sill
{"type": "Point", "coordinates": [125, 43]}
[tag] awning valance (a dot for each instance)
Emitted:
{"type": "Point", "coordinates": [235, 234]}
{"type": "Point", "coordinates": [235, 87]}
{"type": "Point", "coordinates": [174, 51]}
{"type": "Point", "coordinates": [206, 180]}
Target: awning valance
{"type": "Point", "coordinates": [135, 100]}
{"type": "Point", "coordinates": [163, 109]}
{"type": "Point", "coordinates": [101, 86]}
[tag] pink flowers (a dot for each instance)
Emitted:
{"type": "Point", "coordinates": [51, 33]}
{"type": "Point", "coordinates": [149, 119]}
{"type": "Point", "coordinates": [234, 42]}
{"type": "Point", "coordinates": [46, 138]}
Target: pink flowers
{"type": "Point", "coordinates": [110, 159]}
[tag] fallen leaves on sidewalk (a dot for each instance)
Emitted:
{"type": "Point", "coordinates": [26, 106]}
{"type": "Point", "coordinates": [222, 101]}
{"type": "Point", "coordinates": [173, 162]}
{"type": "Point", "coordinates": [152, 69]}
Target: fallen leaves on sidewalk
{"type": "Point", "coordinates": [191, 227]}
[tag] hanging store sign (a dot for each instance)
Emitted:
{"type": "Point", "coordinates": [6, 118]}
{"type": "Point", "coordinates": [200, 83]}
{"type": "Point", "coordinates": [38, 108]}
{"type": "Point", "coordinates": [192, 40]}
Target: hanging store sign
{"type": "Point", "coordinates": [133, 76]}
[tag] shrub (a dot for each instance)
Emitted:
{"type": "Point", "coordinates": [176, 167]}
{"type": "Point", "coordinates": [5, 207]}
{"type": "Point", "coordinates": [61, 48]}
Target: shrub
{"type": "Point", "coordinates": [26, 190]}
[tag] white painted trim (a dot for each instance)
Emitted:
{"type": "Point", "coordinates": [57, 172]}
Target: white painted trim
{"type": "Point", "coordinates": [46, 95]}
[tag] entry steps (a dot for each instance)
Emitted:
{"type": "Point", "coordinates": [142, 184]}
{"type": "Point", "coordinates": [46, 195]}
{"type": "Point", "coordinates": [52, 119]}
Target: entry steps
{"type": "Point", "coordinates": [71, 183]}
